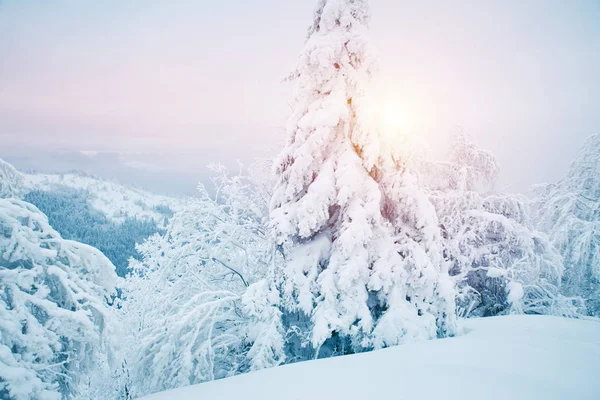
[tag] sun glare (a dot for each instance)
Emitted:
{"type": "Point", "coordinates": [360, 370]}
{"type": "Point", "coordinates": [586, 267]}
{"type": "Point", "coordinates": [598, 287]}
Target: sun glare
{"type": "Point", "coordinates": [395, 119]}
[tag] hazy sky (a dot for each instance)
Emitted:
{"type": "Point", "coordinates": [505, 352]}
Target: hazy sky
{"type": "Point", "coordinates": [185, 82]}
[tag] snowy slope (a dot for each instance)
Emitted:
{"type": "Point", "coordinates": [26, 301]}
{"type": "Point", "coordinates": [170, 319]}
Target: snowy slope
{"type": "Point", "coordinates": [114, 200]}
{"type": "Point", "coordinates": [508, 358]}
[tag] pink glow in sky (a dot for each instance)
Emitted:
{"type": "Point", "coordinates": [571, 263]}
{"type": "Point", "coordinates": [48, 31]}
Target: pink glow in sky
{"type": "Point", "coordinates": [200, 77]}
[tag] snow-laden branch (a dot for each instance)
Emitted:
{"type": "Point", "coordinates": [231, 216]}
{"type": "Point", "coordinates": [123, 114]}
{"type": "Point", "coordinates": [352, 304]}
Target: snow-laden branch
{"type": "Point", "coordinates": [198, 306]}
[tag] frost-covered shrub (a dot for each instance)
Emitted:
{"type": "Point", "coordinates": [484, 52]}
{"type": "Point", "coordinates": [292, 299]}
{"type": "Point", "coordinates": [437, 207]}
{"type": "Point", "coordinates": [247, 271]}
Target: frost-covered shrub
{"type": "Point", "coordinates": [202, 305]}
{"type": "Point", "coordinates": [11, 181]}
{"type": "Point", "coordinates": [54, 318]}
{"type": "Point", "coordinates": [354, 278]}
{"type": "Point", "coordinates": [569, 212]}
{"type": "Point", "coordinates": [500, 263]}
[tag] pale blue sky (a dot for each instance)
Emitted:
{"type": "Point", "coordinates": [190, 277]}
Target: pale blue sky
{"type": "Point", "coordinates": [189, 81]}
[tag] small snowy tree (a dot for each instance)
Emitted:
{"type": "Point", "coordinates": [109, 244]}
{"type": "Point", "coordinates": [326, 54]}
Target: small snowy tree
{"type": "Point", "coordinates": [11, 181]}
{"type": "Point", "coordinates": [500, 263]}
{"type": "Point", "coordinates": [469, 168]}
{"type": "Point", "coordinates": [344, 268]}
{"type": "Point", "coordinates": [53, 312]}
{"type": "Point", "coordinates": [569, 211]}
{"type": "Point", "coordinates": [202, 305]}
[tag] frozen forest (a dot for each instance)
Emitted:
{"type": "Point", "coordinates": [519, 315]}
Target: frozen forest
{"type": "Point", "coordinates": [346, 242]}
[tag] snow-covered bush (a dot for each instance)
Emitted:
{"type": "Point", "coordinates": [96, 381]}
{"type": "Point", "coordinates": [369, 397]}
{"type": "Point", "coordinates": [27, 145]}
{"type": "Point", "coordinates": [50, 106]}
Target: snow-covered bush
{"type": "Point", "coordinates": [569, 212]}
{"type": "Point", "coordinates": [202, 304]}
{"type": "Point", "coordinates": [352, 280]}
{"type": "Point", "coordinates": [500, 263]}
{"type": "Point", "coordinates": [54, 319]}
{"type": "Point", "coordinates": [11, 181]}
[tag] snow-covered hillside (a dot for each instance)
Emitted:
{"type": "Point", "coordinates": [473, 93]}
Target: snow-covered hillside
{"type": "Point", "coordinates": [114, 200]}
{"type": "Point", "coordinates": [510, 357]}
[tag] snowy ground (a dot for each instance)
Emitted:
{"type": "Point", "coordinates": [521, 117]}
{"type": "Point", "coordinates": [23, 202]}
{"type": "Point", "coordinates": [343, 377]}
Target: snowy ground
{"type": "Point", "coordinates": [508, 358]}
{"type": "Point", "coordinates": [113, 200]}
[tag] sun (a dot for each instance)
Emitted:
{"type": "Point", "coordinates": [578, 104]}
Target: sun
{"type": "Point", "coordinates": [395, 119]}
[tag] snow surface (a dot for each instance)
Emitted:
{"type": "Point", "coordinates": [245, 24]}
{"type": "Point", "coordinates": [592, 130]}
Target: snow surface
{"type": "Point", "coordinates": [508, 358]}
{"type": "Point", "coordinates": [114, 200]}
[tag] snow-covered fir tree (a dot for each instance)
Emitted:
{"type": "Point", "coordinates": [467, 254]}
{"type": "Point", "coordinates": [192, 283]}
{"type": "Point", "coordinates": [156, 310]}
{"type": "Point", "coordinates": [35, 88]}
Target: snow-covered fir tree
{"type": "Point", "coordinates": [53, 306]}
{"type": "Point", "coordinates": [569, 211]}
{"type": "Point", "coordinates": [348, 277]}
{"type": "Point", "coordinates": [202, 303]}
{"type": "Point", "coordinates": [500, 263]}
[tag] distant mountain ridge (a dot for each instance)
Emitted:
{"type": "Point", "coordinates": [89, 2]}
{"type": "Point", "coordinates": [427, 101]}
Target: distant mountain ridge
{"type": "Point", "coordinates": [115, 201]}
{"type": "Point", "coordinates": [106, 215]}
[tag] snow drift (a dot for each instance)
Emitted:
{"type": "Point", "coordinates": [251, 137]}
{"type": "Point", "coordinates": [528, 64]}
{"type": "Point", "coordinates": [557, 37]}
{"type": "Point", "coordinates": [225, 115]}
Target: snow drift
{"type": "Point", "coordinates": [509, 357]}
